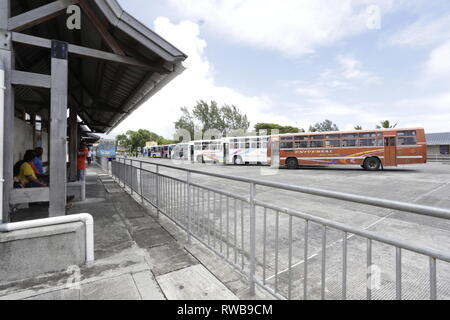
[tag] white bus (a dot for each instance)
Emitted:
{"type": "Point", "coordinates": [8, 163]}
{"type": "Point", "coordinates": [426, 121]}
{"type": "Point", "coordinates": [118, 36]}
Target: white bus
{"type": "Point", "coordinates": [181, 151]}
{"type": "Point", "coordinates": [246, 150]}
{"type": "Point", "coordinates": [156, 152]}
{"type": "Point", "coordinates": [208, 151]}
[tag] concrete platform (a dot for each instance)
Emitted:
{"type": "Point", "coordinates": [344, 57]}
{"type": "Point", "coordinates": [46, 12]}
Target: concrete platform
{"type": "Point", "coordinates": [194, 283]}
{"type": "Point", "coordinates": [137, 256]}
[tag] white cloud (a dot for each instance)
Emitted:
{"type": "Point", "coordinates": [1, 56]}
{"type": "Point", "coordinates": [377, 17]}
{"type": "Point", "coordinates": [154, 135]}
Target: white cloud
{"type": "Point", "coordinates": [196, 83]}
{"type": "Point", "coordinates": [352, 69]}
{"type": "Point", "coordinates": [439, 61]}
{"type": "Point", "coordinates": [293, 27]}
{"type": "Point", "coordinates": [311, 92]}
{"type": "Point", "coordinates": [425, 31]}
{"type": "Point", "coordinates": [348, 75]}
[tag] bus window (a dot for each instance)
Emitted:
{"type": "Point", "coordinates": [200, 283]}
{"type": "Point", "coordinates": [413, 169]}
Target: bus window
{"type": "Point", "coordinates": [368, 135]}
{"type": "Point", "coordinates": [407, 141]}
{"type": "Point", "coordinates": [301, 144]}
{"type": "Point", "coordinates": [350, 135]}
{"type": "Point", "coordinates": [349, 143]}
{"type": "Point", "coordinates": [287, 145]}
{"type": "Point", "coordinates": [288, 138]}
{"type": "Point", "coordinates": [367, 142]}
{"type": "Point", "coordinates": [318, 137]}
{"type": "Point", "coordinates": [407, 133]}
{"type": "Point", "coordinates": [333, 136]}
{"type": "Point", "coordinates": [389, 141]}
{"type": "Point", "coordinates": [333, 143]}
{"type": "Point", "coordinates": [301, 138]}
{"type": "Point", "coordinates": [380, 142]}
{"type": "Point", "coordinates": [317, 144]}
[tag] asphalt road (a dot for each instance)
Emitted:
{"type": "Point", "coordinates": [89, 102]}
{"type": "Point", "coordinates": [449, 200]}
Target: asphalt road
{"type": "Point", "coordinates": [225, 225]}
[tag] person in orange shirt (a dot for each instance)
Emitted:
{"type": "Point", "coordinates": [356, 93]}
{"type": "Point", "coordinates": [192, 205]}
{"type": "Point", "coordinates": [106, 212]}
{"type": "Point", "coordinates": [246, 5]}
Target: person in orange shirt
{"type": "Point", "coordinates": [83, 153]}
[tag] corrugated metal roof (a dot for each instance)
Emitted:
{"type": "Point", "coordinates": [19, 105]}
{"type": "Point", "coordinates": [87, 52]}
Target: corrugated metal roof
{"type": "Point", "coordinates": [105, 92]}
{"type": "Point", "coordinates": [438, 139]}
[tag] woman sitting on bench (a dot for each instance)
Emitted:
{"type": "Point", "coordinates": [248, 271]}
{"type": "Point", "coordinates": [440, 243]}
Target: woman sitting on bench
{"type": "Point", "coordinates": [27, 175]}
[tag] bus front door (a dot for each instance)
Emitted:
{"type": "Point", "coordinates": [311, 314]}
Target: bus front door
{"type": "Point", "coordinates": [275, 146]}
{"type": "Point", "coordinates": [390, 151]}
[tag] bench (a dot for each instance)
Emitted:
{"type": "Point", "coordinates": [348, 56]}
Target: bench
{"type": "Point", "coordinates": [29, 195]}
{"type": "Point", "coordinates": [33, 195]}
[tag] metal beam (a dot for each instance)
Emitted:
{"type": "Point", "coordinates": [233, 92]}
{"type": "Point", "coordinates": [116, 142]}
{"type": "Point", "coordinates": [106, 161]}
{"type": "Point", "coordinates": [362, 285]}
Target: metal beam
{"type": "Point", "coordinates": [41, 14]}
{"type": "Point", "coordinates": [88, 53]}
{"type": "Point", "coordinates": [104, 33]}
{"type": "Point", "coordinates": [58, 129]}
{"type": "Point", "coordinates": [30, 79]}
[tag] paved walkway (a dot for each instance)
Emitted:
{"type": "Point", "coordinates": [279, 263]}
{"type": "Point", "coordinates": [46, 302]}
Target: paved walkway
{"type": "Point", "coordinates": [137, 257]}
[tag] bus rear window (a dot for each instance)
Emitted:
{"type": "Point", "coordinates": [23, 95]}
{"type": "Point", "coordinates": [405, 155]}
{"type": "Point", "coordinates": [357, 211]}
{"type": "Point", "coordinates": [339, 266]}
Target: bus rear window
{"type": "Point", "coordinates": [407, 141]}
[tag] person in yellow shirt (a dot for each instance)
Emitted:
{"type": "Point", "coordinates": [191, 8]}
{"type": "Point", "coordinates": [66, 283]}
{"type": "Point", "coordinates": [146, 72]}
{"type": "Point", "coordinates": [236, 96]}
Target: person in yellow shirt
{"type": "Point", "coordinates": [27, 174]}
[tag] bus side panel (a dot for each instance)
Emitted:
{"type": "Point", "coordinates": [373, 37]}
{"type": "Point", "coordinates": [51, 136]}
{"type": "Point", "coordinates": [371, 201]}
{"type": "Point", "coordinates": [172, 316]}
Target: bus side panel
{"type": "Point", "coordinates": [344, 156]}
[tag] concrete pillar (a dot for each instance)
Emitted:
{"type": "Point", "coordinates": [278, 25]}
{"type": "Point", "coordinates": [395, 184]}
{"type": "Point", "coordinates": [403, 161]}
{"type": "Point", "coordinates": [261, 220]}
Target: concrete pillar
{"type": "Point", "coordinates": [58, 128]}
{"type": "Point", "coordinates": [7, 56]}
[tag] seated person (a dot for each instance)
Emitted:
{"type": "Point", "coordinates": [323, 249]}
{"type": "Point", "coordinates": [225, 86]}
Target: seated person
{"type": "Point", "coordinates": [39, 165]}
{"type": "Point", "coordinates": [27, 174]}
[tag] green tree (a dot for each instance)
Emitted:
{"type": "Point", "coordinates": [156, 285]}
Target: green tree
{"type": "Point", "coordinates": [269, 127]}
{"type": "Point", "coordinates": [325, 126]}
{"type": "Point", "coordinates": [209, 116]}
{"type": "Point", "coordinates": [134, 140]}
{"type": "Point", "coordinates": [186, 122]}
{"type": "Point", "coordinates": [386, 125]}
{"type": "Point", "coordinates": [358, 128]}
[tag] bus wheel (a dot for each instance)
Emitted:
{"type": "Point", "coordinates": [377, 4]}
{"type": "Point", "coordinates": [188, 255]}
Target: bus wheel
{"type": "Point", "coordinates": [200, 159]}
{"type": "Point", "coordinates": [292, 163]}
{"type": "Point", "coordinates": [372, 164]}
{"type": "Point", "coordinates": [238, 160]}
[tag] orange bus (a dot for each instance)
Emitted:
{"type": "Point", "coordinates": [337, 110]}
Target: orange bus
{"type": "Point", "coordinates": [372, 149]}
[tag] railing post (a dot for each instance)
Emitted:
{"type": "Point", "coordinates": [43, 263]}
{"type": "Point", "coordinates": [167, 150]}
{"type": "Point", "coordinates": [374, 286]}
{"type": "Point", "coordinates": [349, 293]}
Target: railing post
{"type": "Point", "coordinates": [132, 175]}
{"type": "Point", "coordinates": [157, 192]}
{"type": "Point", "coordinates": [189, 207]}
{"type": "Point", "coordinates": [141, 184]}
{"type": "Point", "coordinates": [252, 238]}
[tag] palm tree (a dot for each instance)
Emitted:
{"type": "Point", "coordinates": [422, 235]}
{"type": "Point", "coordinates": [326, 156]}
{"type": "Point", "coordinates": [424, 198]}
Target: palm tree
{"type": "Point", "coordinates": [358, 128]}
{"type": "Point", "coordinates": [386, 125]}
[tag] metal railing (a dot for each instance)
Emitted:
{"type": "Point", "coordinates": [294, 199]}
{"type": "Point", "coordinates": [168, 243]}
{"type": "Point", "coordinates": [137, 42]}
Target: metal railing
{"type": "Point", "coordinates": [261, 240]}
{"type": "Point", "coordinates": [438, 157]}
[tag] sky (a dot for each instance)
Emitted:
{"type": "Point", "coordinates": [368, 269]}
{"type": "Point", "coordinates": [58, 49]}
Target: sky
{"type": "Point", "coordinates": [298, 62]}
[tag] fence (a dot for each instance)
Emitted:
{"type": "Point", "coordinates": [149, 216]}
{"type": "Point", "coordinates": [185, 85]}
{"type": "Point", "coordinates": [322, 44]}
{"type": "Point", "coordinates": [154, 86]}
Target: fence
{"type": "Point", "coordinates": [263, 241]}
{"type": "Point", "coordinates": [438, 157]}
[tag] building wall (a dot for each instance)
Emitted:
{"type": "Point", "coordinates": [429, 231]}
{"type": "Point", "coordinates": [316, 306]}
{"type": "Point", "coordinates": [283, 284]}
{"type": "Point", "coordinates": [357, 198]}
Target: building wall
{"type": "Point", "coordinates": [434, 150]}
{"type": "Point", "coordinates": [23, 140]}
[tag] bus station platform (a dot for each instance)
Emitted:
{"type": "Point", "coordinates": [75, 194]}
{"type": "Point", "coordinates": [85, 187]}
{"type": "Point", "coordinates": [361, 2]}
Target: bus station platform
{"type": "Point", "coordinates": [137, 257]}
